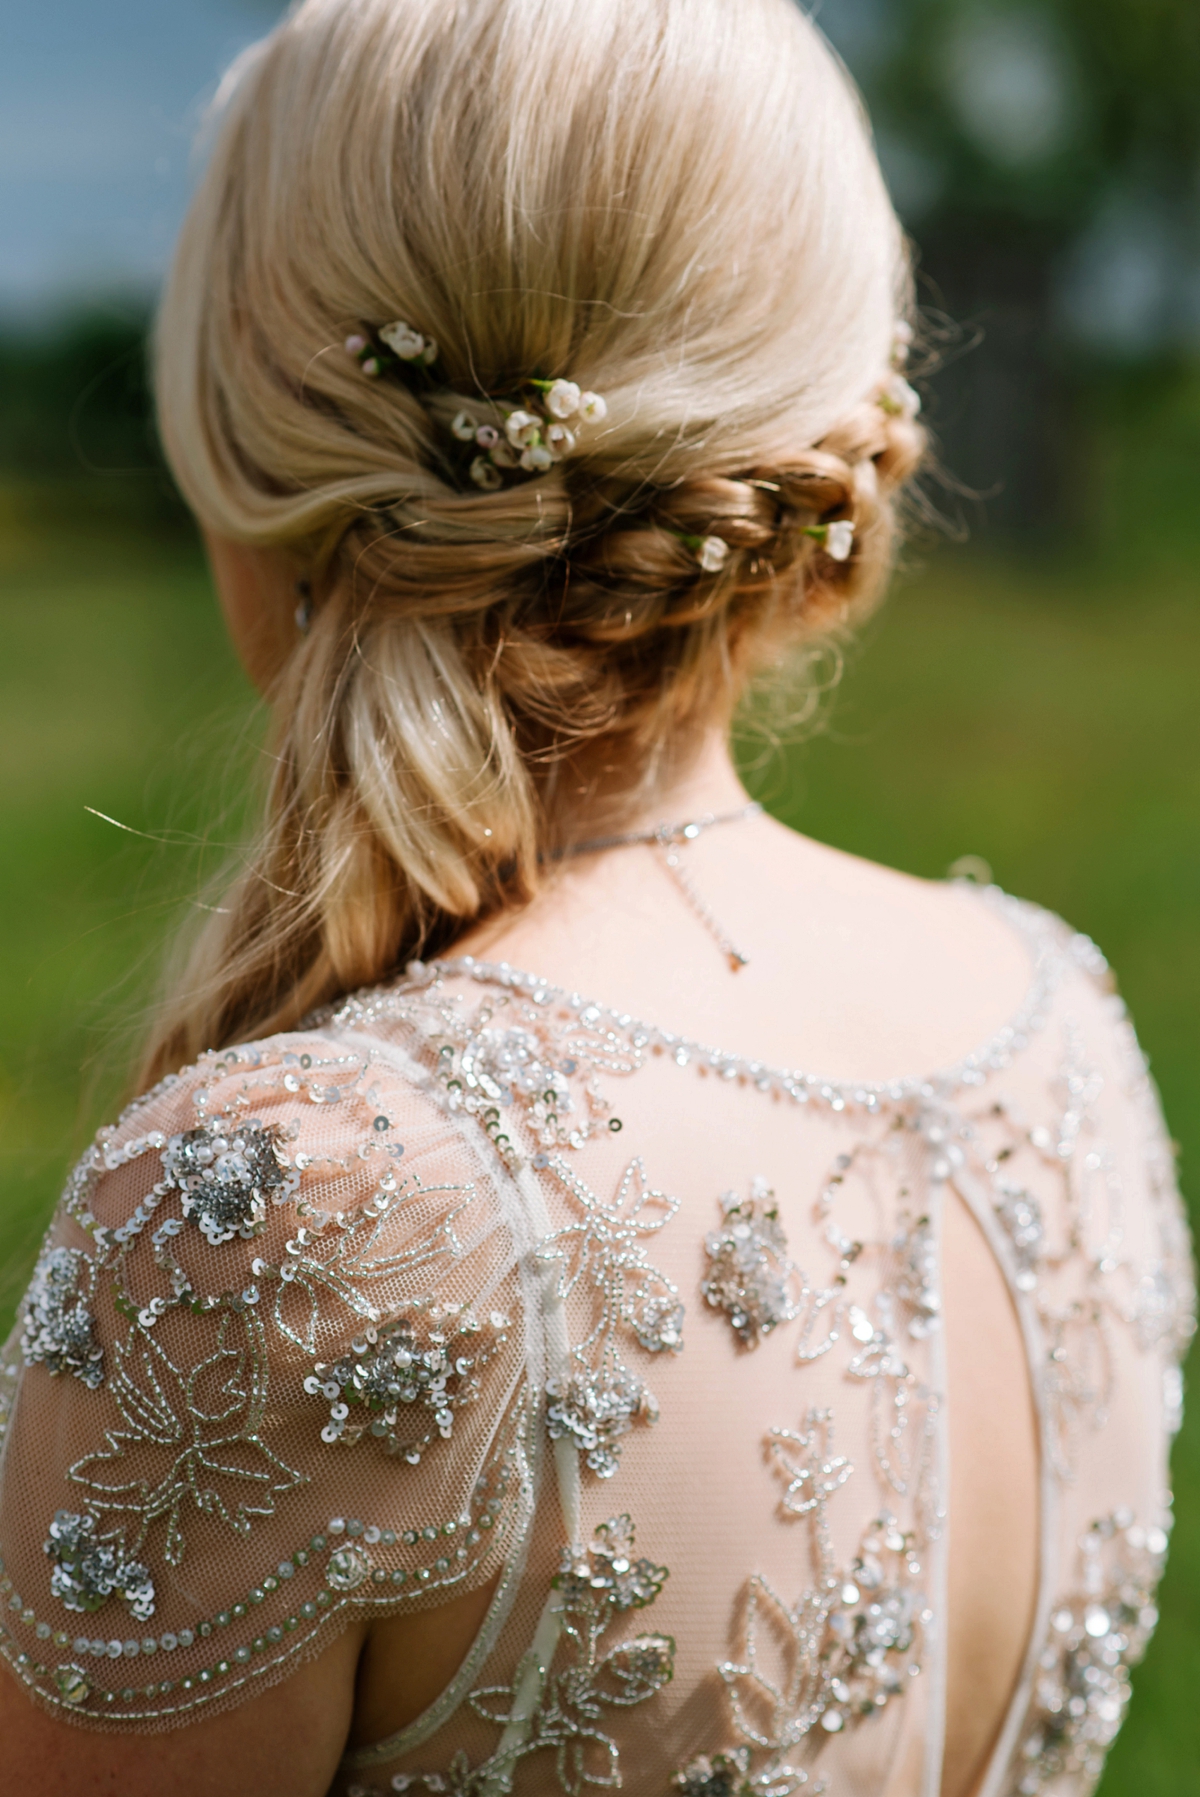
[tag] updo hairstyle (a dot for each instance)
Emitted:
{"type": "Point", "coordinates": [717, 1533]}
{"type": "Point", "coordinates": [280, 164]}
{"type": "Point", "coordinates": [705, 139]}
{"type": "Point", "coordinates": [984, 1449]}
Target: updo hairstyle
{"type": "Point", "coordinates": [673, 202]}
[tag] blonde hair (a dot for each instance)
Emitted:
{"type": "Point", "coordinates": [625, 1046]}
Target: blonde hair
{"type": "Point", "coordinates": [673, 202]}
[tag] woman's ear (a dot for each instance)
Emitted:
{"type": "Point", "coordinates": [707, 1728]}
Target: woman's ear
{"type": "Point", "coordinates": [265, 601]}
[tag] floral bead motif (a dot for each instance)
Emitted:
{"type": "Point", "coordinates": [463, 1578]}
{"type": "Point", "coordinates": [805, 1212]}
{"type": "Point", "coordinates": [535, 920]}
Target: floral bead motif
{"type": "Point", "coordinates": [87, 1572]}
{"type": "Point", "coordinates": [227, 1178]}
{"type": "Point", "coordinates": [599, 1398]}
{"type": "Point", "coordinates": [596, 1410]}
{"type": "Point", "coordinates": [397, 1369]}
{"type": "Point", "coordinates": [750, 1272]}
{"type": "Point", "coordinates": [60, 1331]}
{"type": "Point", "coordinates": [1097, 1634]}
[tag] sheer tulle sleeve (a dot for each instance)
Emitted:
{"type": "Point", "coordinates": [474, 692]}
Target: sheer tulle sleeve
{"type": "Point", "coordinates": [269, 1376]}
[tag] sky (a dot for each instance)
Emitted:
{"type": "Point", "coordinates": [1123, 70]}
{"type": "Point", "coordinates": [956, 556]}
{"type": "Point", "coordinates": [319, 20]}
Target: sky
{"type": "Point", "coordinates": [99, 106]}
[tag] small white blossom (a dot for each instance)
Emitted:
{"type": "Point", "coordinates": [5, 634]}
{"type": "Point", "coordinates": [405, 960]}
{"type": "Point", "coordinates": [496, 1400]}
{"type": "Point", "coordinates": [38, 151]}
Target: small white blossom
{"type": "Point", "coordinates": [712, 554]}
{"type": "Point", "coordinates": [537, 460]}
{"type": "Point", "coordinates": [524, 429]}
{"type": "Point", "coordinates": [485, 474]}
{"type": "Point", "coordinates": [898, 399]}
{"type": "Point", "coordinates": [487, 436]}
{"type": "Point", "coordinates": [839, 540]}
{"type": "Point", "coordinates": [430, 353]}
{"type": "Point", "coordinates": [355, 344]}
{"type": "Point", "coordinates": [559, 440]}
{"type": "Point", "coordinates": [593, 408]}
{"type": "Point", "coordinates": [504, 455]}
{"type": "Point", "coordinates": [901, 343]}
{"type": "Point", "coordinates": [464, 427]}
{"type": "Point", "coordinates": [563, 400]}
{"type": "Point", "coordinates": [404, 342]}
{"type": "Point", "coordinates": [371, 366]}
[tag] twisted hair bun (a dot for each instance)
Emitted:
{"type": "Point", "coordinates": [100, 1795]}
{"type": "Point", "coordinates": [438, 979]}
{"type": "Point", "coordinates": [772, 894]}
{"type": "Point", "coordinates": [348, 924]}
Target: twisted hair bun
{"type": "Point", "coordinates": [706, 241]}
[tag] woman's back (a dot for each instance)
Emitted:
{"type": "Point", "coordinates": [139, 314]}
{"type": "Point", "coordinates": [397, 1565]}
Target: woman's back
{"type": "Point", "coordinates": [879, 1371]}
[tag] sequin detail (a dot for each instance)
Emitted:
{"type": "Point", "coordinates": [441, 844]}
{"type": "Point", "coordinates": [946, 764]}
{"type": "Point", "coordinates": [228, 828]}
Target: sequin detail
{"type": "Point", "coordinates": [848, 1642]}
{"type": "Point", "coordinates": [750, 1276]}
{"type": "Point", "coordinates": [227, 1179]}
{"type": "Point", "coordinates": [1097, 1634]}
{"type": "Point", "coordinates": [601, 1397]}
{"type": "Point", "coordinates": [561, 1708]}
{"type": "Point", "coordinates": [395, 1374]}
{"type": "Point", "coordinates": [60, 1330]}
{"type": "Point", "coordinates": [87, 1571]}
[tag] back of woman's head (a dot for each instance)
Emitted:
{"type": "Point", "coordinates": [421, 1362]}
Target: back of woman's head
{"type": "Point", "coordinates": [672, 202]}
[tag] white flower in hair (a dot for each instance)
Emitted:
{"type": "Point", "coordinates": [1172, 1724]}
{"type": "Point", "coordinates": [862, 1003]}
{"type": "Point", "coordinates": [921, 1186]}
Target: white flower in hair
{"type": "Point", "coordinates": [523, 429]}
{"type": "Point", "coordinates": [593, 408]}
{"type": "Point", "coordinates": [485, 474]}
{"type": "Point", "coordinates": [487, 436]}
{"type": "Point", "coordinates": [559, 440]}
{"type": "Point", "coordinates": [898, 399]}
{"type": "Point", "coordinates": [563, 399]}
{"type": "Point", "coordinates": [537, 459]}
{"type": "Point", "coordinates": [355, 344]}
{"type": "Point", "coordinates": [465, 428]}
{"type": "Point", "coordinates": [712, 554]}
{"type": "Point", "coordinates": [406, 343]}
{"type": "Point", "coordinates": [839, 540]}
{"type": "Point", "coordinates": [504, 455]}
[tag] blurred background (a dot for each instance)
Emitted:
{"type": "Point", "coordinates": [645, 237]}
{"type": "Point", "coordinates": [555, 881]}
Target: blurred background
{"type": "Point", "coordinates": [1028, 696]}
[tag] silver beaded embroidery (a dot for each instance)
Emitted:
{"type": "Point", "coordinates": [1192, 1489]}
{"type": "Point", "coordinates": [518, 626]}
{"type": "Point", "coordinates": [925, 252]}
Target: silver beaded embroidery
{"type": "Point", "coordinates": [60, 1330]}
{"type": "Point", "coordinates": [1098, 1632]}
{"type": "Point", "coordinates": [228, 1179]}
{"type": "Point", "coordinates": [561, 1709]}
{"type": "Point", "coordinates": [191, 1438]}
{"type": "Point", "coordinates": [849, 1639]}
{"type": "Point", "coordinates": [750, 1276]}
{"type": "Point", "coordinates": [88, 1571]}
{"type": "Point", "coordinates": [601, 1397]}
{"type": "Point", "coordinates": [401, 1371]}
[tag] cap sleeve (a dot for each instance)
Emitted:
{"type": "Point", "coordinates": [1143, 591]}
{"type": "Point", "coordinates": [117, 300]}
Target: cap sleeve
{"type": "Point", "coordinates": [268, 1377]}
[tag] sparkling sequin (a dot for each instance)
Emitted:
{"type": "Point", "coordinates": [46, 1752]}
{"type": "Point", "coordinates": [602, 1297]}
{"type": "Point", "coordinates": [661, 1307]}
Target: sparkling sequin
{"type": "Point", "coordinates": [87, 1571]}
{"type": "Point", "coordinates": [60, 1330]}
{"type": "Point", "coordinates": [348, 1567]}
{"type": "Point", "coordinates": [751, 1278]}
{"type": "Point", "coordinates": [227, 1179]}
{"type": "Point", "coordinates": [72, 1684]}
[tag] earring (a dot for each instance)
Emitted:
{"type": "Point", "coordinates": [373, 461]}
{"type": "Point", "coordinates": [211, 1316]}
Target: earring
{"type": "Point", "coordinates": [305, 607]}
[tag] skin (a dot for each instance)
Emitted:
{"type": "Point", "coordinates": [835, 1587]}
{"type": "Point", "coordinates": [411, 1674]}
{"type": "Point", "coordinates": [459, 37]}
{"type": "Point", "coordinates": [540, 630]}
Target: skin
{"type": "Point", "coordinates": [854, 968]}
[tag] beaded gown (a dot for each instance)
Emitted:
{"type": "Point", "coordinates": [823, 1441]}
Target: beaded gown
{"type": "Point", "coordinates": [475, 1280]}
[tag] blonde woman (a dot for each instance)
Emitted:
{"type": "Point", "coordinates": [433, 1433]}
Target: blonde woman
{"type": "Point", "coordinates": [450, 1378]}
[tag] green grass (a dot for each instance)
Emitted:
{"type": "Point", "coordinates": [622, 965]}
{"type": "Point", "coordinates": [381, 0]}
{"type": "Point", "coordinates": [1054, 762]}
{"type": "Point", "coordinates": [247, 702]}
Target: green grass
{"type": "Point", "coordinates": [1039, 714]}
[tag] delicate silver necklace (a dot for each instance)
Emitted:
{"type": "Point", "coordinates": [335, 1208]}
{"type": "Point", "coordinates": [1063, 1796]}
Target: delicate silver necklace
{"type": "Point", "coordinates": [670, 839]}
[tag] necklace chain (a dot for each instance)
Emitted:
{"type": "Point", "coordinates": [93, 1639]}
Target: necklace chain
{"type": "Point", "coordinates": [659, 833]}
{"type": "Point", "coordinates": [671, 839]}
